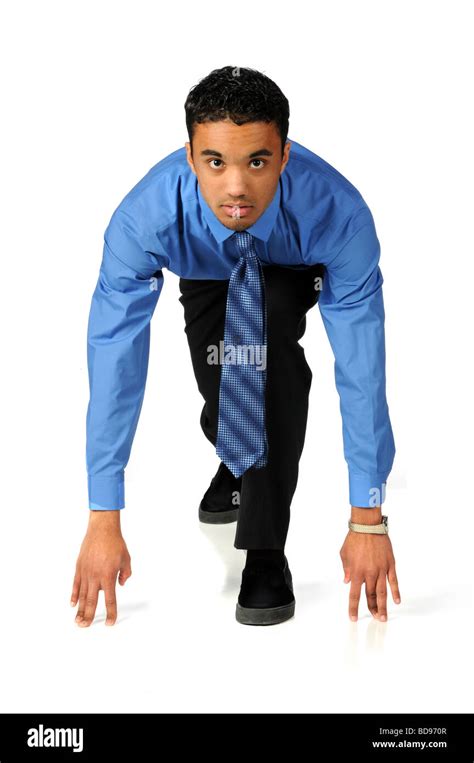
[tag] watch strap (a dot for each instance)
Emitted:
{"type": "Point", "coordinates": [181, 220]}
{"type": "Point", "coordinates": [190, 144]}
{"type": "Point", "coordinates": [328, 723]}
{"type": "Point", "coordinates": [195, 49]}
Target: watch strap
{"type": "Point", "coordinates": [381, 529]}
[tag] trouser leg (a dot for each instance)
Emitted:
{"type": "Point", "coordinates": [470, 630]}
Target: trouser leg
{"type": "Point", "coordinates": [266, 493]}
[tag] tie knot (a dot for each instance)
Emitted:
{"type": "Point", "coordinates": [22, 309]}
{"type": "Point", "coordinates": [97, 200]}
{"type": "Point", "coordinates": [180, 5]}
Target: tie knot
{"type": "Point", "coordinates": [245, 245]}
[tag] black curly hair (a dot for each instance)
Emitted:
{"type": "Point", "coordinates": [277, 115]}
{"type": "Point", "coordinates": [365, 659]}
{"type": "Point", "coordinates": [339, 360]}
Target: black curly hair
{"type": "Point", "coordinates": [240, 94]}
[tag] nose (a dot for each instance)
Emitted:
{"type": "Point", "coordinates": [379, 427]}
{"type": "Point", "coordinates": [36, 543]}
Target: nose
{"type": "Point", "coordinates": [236, 187]}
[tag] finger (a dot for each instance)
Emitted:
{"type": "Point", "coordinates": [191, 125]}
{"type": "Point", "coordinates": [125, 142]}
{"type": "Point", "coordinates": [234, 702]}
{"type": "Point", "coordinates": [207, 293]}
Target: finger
{"type": "Point", "coordinates": [382, 596]}
{"type": "Point", "coordinates": [110, 602]}
{"type": "Point", "coordinates": [75, 589]}
{"type": "Point", "coordinates": [354, 597]}
{"type": "Point", "coordinates": [91, 603]}
{"type": "Point", "coordinates": [392, 579]}
{"type": "Point", "coordinates": [82, 602]}
{"type": "Point", "coordinates": [370, 591]}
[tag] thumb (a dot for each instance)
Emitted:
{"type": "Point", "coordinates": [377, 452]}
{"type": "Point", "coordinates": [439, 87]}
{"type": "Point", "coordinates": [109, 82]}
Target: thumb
{"type": "Point", "coordinates": [124, 573]}
{"type": "Point", "coordinates": [347, 575]}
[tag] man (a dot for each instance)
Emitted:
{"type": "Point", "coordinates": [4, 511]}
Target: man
{"type": "Point", "coordinates": [259, 229]}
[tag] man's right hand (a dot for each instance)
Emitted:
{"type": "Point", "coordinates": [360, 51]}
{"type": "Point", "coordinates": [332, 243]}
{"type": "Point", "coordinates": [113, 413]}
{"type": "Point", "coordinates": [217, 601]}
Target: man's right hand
{"type": "Point", "coordinates": [103, 554]}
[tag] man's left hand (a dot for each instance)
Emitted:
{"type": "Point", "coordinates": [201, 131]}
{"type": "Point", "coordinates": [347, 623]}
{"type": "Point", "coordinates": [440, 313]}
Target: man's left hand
{"type": "Point", "coordinates": [368, 557]}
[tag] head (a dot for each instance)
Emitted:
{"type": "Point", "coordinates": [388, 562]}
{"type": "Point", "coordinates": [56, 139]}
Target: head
{"type": "Point", "coordinates": [237, 122]}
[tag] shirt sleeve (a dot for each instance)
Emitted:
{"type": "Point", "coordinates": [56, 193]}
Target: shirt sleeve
{"type": "Point", "coordinates": [352, 310]}
{"type": "Point", "coordinates": [118, 339]}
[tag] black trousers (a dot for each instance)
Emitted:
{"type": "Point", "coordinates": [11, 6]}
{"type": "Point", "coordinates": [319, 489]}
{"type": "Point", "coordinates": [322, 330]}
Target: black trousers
{"type": "Point", "coordinates": [266, 493]}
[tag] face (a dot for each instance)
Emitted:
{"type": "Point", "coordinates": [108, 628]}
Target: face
{"type": "Point", "coordinates": [237, 168]}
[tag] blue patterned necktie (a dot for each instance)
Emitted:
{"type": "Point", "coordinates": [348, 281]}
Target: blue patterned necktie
{"type": "Point", "coordinates": [241, 437]}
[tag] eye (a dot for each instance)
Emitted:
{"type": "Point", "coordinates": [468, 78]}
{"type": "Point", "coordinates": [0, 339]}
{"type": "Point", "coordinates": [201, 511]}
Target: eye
{"type": "Point", "coordinates": [215, 160]}
{"type": "Point", "coordinates": [259, 160]}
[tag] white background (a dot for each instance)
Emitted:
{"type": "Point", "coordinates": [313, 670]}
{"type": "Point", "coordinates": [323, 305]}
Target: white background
{"type": "Point", "coordinates": [93, 96]}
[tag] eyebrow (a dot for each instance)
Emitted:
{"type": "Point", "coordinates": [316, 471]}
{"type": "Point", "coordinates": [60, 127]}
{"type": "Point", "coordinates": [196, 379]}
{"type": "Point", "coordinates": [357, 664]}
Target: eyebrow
{"type": "Point", "coordinates": [261, 152]}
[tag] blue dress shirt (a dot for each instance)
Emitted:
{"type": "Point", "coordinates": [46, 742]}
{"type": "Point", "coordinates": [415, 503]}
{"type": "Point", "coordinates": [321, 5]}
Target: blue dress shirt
{"type": "Point", "coordinates": [316, 216]}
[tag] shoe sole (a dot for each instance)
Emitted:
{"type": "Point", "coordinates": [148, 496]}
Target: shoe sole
{"type": "Point", "coordinates": [264, 615]}
{"type": "Point", "coordinates": [218, 517]}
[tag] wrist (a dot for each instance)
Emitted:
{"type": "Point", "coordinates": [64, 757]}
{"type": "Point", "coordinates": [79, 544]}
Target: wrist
{"type": "Point", "coordinates": [104, 519]}
{"type": "Point", "coordinates": [366, 516]}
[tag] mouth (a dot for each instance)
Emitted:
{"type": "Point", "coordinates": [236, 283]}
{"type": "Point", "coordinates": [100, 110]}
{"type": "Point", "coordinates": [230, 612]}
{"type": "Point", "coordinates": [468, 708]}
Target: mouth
{"type": "Point", "coordinates": [237, 210]}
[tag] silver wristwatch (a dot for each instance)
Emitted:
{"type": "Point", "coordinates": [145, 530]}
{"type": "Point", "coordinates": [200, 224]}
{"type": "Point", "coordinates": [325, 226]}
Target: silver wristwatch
{"type": "Point", "coordinates": [381, 529]}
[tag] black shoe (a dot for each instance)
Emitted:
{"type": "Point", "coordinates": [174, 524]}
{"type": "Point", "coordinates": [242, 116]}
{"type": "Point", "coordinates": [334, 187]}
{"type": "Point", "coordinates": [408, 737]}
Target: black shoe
{"type": "Point", "coordinates": [266, 594]}
{"type": "Point", "coordinates": [221, 501]}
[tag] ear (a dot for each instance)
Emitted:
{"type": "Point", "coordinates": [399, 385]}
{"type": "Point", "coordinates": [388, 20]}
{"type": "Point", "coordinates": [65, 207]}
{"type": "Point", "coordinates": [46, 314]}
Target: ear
{"type": "Point", "coordinates": [286, 156]}
{"type": "Point", "coordinates": [189, 158]}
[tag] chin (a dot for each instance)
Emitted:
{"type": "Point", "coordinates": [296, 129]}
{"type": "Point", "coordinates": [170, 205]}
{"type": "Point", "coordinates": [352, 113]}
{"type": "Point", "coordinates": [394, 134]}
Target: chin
{"type": "Point", "coordinates": [237, 224]}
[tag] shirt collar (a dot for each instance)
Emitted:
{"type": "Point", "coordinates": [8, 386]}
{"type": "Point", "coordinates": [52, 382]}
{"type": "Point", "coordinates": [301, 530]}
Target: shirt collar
{"type": "Point", "coordinates": [261, 228]}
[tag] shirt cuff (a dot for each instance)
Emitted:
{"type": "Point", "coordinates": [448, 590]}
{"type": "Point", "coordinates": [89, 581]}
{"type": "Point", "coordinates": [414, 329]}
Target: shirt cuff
{"type": "Point", "coordinates": [106, 493]}
{"type": "Point", "coordinates": [367, 491]}
{"type": "Point", "coordinates": [95, 507]}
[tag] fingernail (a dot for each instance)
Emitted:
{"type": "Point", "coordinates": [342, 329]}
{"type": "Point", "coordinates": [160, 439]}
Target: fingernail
{"type": "Point", "coordinates": [353, 617]}
{"type": "Point", "coordinates": [382, 617]}
{"type": "Point", "coordinates": [397, 601]}
{"type": "Point", "coordinates": [72, 603]}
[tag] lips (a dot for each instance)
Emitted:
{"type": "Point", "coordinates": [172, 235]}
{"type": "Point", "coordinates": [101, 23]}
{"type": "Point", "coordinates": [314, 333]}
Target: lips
{"type": "Point", "coordinates": [236, 210]}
